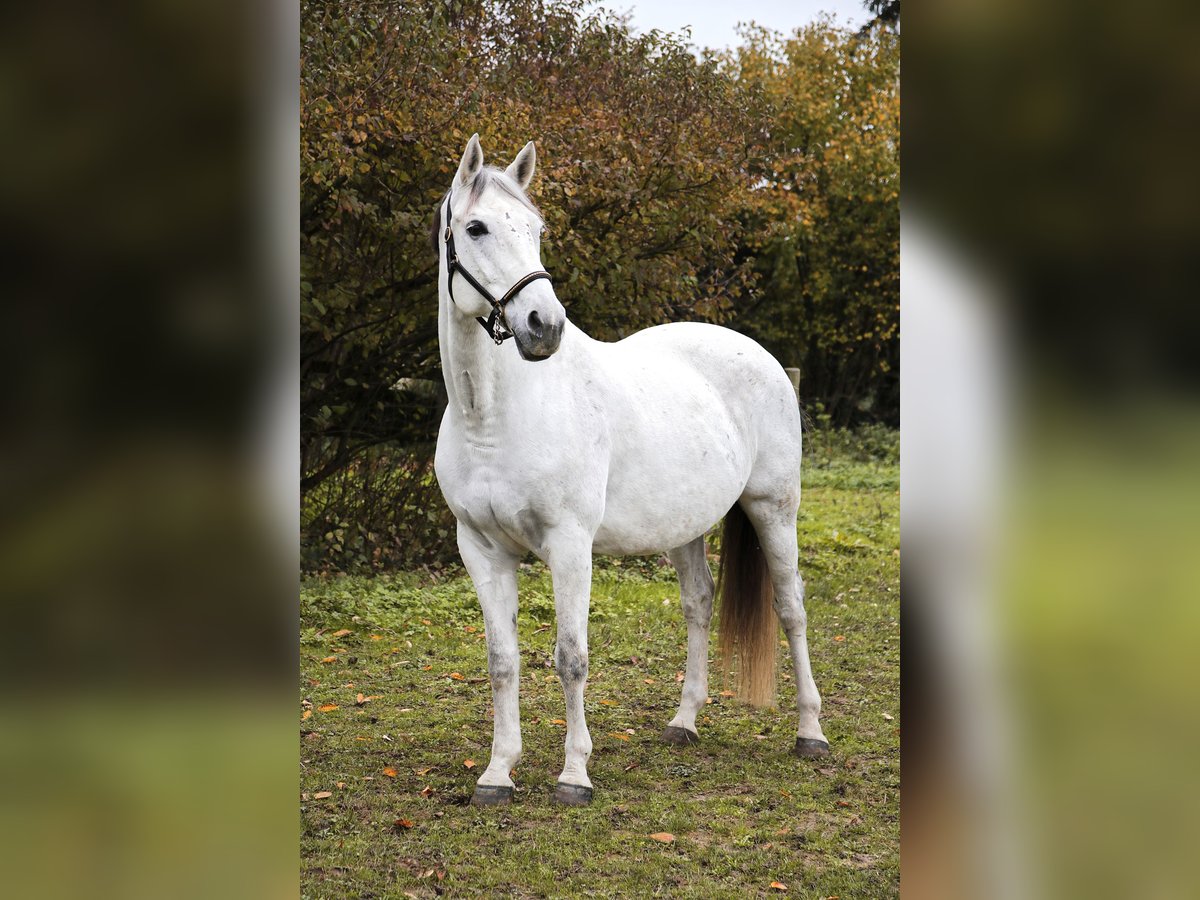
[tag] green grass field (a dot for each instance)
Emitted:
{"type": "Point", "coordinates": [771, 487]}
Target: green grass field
{"type": "Point", "coordinates": [385, 783]}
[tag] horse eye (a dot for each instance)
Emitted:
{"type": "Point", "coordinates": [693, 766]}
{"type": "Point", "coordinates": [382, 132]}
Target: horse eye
{"type": "Point", "coordinates": [477, 229]}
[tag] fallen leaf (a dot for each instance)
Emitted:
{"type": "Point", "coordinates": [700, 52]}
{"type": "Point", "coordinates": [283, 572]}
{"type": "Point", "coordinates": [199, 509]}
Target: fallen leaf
{"type": "Point", "coordinates": [321, 795]}
{"type": "Point", "coordinates": [328, 707]}
{"type": "Point", "coordinates": [306, 714]}
{"type": "Point", "coordinates": [727, 694]}
{"type": "Point", "coordinates": [341, 632]}
{"type": "Point", "coordinates": [471, 629]}
{"type": "Point", "coordinates": [341, 785]}
{"type": "Point", "coordinates": [377, 637]}
{"type": "Point", "coordinates": [427, 790]}
{"type": "Point", "coordinates": [360, 699]}
{"type": "Point", "coordinates": [329, 659]}
{"type": "Point", "coordinates": [663, 837]}
{"type": "Point", "coordinates": [839, 638]}
{"type": "Point", "coordinates": [843, 803]}
{"type": "Point", "coordinates": [389, 772]}
{"type": "Point", "coordinates": [619, 737]}
{"type": "Point", "coordinates": [678, 676]}
{"type": "Point", "coordinates": [648, 681]}
{"type": "Point", "coordinates": [424, 771]}
{"type": "Point", "coordinates": [457, 676]}
{"type": "Point", "coordinates": [426, 622]}
{"type": "Point", "coordinates": [426, 668]}
{"type": "Point", "coordinates": [557, 722]}
{"type": "Point", "coordinates": [632, 766]}
{"type": "Point", "coordinates": [888, 717]}
{"type": "Point", "coordinates": [468, 763]}
{"type": "Point", "coordinates": [778, 886]}
{"type": "Point", "coordinates": [608, 702]}
{"type": "Point", "coordinates": [404, 823]}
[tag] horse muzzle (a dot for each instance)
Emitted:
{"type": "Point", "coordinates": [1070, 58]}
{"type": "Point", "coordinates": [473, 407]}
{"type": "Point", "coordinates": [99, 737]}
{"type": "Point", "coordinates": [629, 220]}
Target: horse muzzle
{"type": "Point", "coordinates": [537, 333]}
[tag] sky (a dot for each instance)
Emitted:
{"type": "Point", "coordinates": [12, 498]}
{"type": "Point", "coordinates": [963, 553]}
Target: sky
{"type": "Point", "coordinates": [713, 21]}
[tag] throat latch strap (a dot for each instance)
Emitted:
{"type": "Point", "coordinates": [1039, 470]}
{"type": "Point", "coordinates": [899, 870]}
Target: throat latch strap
{"type": "Point", "coordinates": [495, 324]}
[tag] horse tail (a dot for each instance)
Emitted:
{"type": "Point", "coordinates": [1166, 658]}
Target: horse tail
{"type": "Point", "coordinates": [748, 627]}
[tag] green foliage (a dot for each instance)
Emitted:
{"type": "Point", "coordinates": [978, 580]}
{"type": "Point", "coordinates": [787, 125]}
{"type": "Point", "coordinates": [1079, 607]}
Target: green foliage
{"type": "Point", "coordinates": [671, 187]}
{"type": "Point", "coordinates": [827, 215]}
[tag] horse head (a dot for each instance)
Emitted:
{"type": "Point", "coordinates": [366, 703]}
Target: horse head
{"type": "Point", "coordinates": [493, 253]}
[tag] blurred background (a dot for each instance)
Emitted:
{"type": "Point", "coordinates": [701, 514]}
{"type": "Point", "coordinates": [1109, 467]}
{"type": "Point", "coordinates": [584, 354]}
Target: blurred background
{"type": "Point", "coordinates": [154, 395]}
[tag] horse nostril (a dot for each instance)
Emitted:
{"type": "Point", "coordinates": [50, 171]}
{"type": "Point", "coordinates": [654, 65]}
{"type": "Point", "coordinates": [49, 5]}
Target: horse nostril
{"type": "Point", "coordinates": [535, 324]}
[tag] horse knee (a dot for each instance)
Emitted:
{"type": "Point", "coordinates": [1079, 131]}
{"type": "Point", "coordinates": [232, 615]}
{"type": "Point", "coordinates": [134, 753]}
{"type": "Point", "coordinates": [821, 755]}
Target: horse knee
{"type": "Point", "coordinates": [503, 667]}
{"type": "Point", "coordinates": [571, 662]}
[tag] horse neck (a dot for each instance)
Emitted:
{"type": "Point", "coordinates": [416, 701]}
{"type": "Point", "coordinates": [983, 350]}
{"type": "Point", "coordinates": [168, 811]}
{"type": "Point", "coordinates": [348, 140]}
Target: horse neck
{"type": "Point", "coordinates": [475, 371]}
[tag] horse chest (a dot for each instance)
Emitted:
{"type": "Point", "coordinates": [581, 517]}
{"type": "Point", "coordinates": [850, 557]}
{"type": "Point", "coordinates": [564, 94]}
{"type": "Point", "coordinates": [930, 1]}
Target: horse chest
{"type": "Point", "coordinates": [497, 496]}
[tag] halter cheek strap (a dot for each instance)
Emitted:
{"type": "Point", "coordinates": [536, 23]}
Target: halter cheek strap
{"type": "Point", "coordinates": [495, 324]}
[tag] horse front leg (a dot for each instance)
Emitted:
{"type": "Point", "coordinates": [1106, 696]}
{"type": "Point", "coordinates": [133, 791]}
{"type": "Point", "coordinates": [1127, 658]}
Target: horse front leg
{"type": "Point", "coordinates": [494, 571]}
{"type": "Point", "coordinates": [570, 559]}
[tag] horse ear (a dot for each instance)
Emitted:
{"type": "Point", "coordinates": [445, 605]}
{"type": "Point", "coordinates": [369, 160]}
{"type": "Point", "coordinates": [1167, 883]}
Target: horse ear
{"type": "Point", "coordinates": [471, 163]}
{"type": "Point", "coordinates": [521, 170]}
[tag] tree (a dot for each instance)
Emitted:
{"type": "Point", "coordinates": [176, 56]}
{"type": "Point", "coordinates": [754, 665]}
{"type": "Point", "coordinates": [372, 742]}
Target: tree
{"type": "Point", "coordinates": [644, 154]}
{"type": "Point", "coordinates": [825, 215]}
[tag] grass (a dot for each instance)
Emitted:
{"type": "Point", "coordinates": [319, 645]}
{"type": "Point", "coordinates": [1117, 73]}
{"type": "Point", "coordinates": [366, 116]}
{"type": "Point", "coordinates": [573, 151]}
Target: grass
{"type": "Point", "coordinates": [743, 811]}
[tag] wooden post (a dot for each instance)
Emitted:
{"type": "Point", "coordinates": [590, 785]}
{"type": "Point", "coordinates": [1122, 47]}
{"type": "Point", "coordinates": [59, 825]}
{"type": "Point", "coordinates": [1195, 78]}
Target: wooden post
{"type": "Point", "coordinates": [794, 375]}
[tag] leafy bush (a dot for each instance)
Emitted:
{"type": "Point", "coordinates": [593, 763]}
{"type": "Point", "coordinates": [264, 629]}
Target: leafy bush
{"type": "Point", "coordinates": [755, 188]}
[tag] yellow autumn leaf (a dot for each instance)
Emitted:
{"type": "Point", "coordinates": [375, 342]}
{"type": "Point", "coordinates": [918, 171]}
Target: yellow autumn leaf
{"type": "Point", "coordinates": [663, 837]}
{"type": "Point", "coordinates": [328, 707]}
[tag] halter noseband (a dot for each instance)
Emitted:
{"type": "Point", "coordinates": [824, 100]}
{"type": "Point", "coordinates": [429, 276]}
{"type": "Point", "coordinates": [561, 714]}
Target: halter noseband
{"type": "Point", "coordinates": [495, 325]}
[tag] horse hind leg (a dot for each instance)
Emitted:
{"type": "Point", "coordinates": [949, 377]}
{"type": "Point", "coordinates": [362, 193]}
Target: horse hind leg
{"type": "Point", "coordinates": [696, 591]}
{"type": "Point", "coordinates": [775, 524]}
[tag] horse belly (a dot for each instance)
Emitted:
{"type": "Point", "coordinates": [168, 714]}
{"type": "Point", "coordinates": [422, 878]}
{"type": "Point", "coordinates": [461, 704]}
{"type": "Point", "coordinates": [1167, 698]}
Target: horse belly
{"type": "Point", "coordinates": [672, 486]}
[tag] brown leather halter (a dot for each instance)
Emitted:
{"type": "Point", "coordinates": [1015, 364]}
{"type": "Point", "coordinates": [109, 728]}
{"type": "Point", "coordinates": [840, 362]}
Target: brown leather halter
{"type": "Point", "coordinates": [495, 325]}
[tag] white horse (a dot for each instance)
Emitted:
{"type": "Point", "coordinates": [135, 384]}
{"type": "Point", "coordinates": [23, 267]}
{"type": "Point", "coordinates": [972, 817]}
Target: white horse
{"type": "Point", "coordinates": [566, 446]}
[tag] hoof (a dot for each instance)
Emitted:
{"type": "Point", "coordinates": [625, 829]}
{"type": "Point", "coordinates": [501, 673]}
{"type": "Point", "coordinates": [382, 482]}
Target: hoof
{"type": "Point", "coordinates": [492, 795]}
{"type": "Point", "coordinates": [680, 737]}
{"type": "Point", "coordinates": [810, 748]}
{"type": "Point", "coordinates": [572, 794]}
